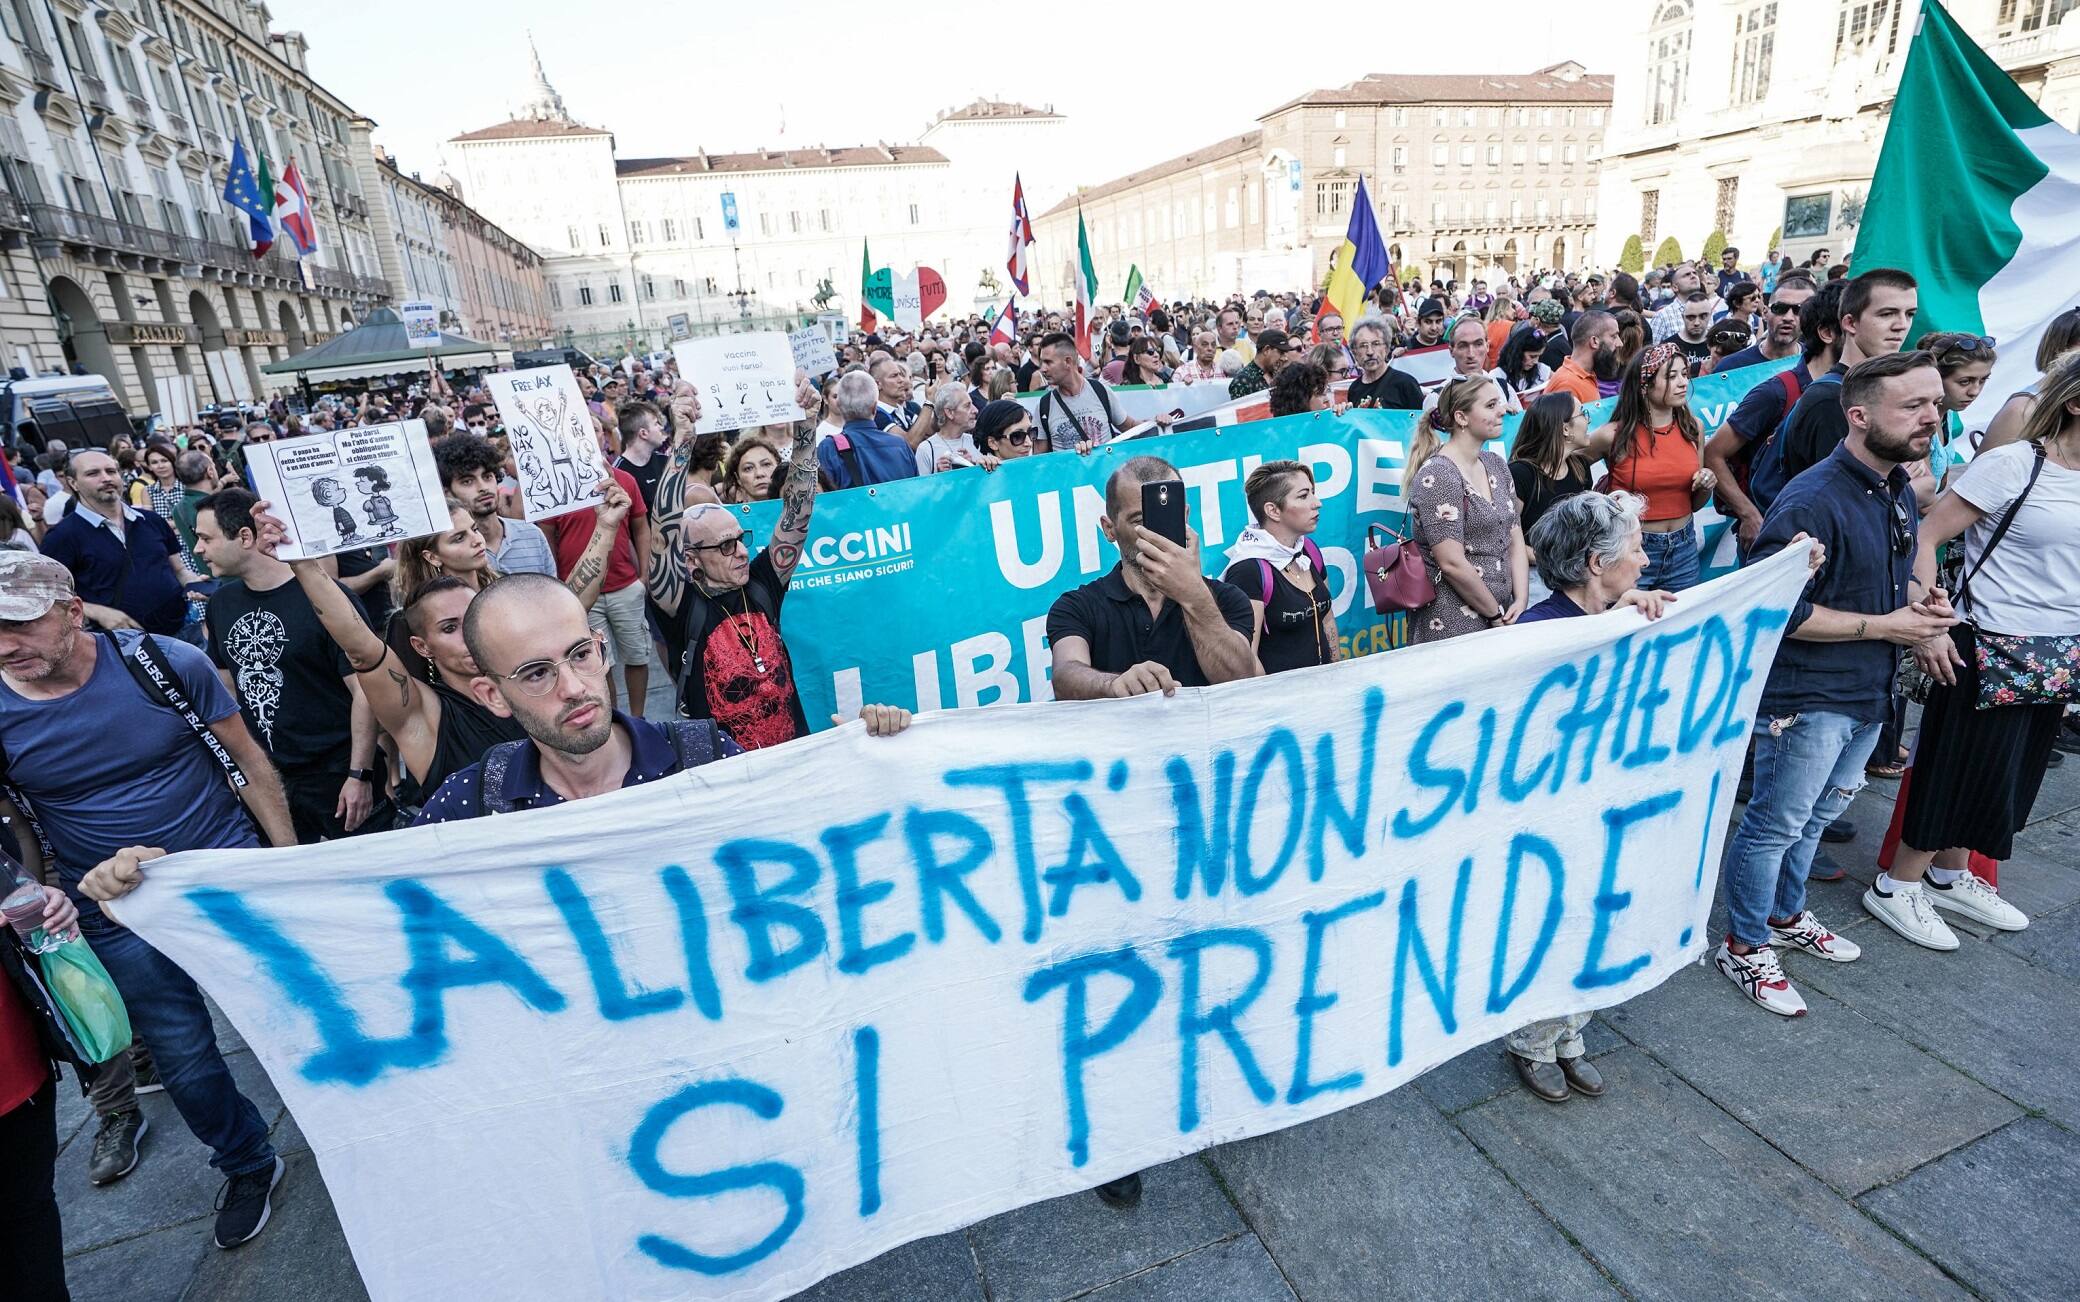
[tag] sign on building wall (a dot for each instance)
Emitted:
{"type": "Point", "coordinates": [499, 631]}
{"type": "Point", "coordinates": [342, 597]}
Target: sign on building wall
{"type": "Point", "coordinates": [729, 211]}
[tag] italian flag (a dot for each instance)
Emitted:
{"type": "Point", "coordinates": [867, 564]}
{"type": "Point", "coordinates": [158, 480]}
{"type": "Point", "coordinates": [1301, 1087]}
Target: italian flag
{"type": "Point", "coordinates": [1977, 195]}
{"type": "Point", "coordinates": [1086, 273]}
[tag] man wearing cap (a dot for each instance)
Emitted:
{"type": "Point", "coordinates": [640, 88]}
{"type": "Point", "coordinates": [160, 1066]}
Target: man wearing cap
{"type": "Point", "coordinates": [126, 563]}
{"type": "Point", "coordinates": [1272, 346]}
{"type": "Point", "coordinates": [1429, 331]}
{"type": "Point", "coordinates": [99, 751]}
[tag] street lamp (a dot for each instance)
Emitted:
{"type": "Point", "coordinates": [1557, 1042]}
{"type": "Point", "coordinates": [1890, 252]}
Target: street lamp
{"type": "Point", "coordinates": [743, 299]}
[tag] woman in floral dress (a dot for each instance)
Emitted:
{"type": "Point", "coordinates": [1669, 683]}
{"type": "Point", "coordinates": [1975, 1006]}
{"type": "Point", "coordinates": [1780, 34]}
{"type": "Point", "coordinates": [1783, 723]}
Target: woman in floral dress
{"type": "Point", "coordinates": [1463, 510]}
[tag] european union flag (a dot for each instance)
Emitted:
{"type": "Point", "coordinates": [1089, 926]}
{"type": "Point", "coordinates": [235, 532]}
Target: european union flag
{"type": "Point", "coordinates": [242, 191]}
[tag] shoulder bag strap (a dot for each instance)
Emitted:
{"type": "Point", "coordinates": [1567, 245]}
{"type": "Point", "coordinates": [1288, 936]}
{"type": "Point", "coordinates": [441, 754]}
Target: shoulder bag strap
{"type": "Point", "coordinates": [157, 681]}
{"type": "Point", "coordinates": [695, 742]}
{"type": "Point", "coordinates": [2000, 530]}
{"type": "Point", "coordinates": [491, 787]}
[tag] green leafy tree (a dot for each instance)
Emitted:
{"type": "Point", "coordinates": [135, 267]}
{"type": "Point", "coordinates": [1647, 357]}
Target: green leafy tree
{"type": "Point", "coordinates": [1633, 257]}
{"type": "Point", "coordinates": [1714, 245]}
{"type": "Point", "coordinates": [1776, 238]}
{"type": "Point", "coordinates": [1667, 252]}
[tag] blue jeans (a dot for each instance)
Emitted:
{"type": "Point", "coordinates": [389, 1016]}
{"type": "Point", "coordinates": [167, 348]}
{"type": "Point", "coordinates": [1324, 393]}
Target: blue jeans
{"type": "Point", "coordinates": [168, 1013]}
{"type": "Point", "coordinates": [1808, 767]}
{"type": "Point", "coordinates": [1672, 563]}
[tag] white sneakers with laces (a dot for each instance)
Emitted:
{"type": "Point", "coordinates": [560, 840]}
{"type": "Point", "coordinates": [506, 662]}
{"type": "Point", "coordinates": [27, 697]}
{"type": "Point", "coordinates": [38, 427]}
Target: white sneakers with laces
{"type": "Point", "coordinates": [1761, 977]}
{"type": "Point", "coordinates": [1808, 933]}
{"type": "Point", "coordinates": [1907, 910]}
{"type": "Point", "coordinates": [1970, 896]}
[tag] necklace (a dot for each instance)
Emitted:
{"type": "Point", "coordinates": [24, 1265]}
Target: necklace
{"type": "Point", "coordinates": [746, 636]}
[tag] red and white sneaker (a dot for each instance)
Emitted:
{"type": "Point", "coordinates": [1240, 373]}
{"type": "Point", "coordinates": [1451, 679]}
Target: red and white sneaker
{"type": "Point", "coordinates": [1808, 933]}
{"type": "Point", "coordinates": [1761, 978]}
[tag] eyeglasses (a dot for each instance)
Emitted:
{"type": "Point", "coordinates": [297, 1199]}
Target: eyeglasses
{"type": "Point", "coordinates": [1783, 309]}
{"type": "Point", "coordinates": [536, 677]}
{"type": "Point", "coordinates": [727, 545]}
{"type": "Point", "coordinates": [1973, 343]}
{"type": "Point", "coordinates": [1018, 436]}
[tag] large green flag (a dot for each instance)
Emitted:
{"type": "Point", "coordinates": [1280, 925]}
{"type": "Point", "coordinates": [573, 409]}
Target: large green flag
{"type": "Point", "coordinates": [1977, 195]}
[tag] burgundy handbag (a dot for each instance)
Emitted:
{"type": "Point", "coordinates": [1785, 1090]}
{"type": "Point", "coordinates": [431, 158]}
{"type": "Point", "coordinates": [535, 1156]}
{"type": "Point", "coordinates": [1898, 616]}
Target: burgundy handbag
{"type": "Point", "coordinates": [1396, 573]}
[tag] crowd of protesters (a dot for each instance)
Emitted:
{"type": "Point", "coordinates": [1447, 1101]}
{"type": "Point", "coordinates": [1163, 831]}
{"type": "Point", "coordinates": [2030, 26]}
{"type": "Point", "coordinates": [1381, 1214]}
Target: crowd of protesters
{"type": "Point", "coordinates": [500, 664]}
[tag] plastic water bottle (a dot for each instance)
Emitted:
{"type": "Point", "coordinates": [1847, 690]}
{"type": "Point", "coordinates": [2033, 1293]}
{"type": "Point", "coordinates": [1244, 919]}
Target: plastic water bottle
{"type": "Point", "coordinates": [23, 906]}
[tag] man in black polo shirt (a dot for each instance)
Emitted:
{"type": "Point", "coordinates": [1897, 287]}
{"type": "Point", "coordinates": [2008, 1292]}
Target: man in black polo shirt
{"type": "Point", "coordinates": [126, 564]}
{"type": "Point", "coordinates": [1156, 622]}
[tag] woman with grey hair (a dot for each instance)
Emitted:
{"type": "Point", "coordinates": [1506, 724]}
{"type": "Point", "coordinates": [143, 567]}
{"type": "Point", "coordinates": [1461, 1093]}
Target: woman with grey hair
{"type": "Point", "coordinates": [1589, 553]}
{"type": "Point", "coordinates": [951, 444]}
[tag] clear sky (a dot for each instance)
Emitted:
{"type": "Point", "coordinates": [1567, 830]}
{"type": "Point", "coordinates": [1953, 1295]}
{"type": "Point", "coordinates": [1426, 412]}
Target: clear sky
{"type": "Point", "coordinates": [1139, 84]}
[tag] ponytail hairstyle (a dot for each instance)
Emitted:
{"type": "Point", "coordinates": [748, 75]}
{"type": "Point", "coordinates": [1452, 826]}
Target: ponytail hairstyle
{"type": "Point", "coordinates": [415, 567]}
{"type": "Point", "coordinates": [1454, 396]}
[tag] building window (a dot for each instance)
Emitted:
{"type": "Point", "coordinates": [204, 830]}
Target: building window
{"type": "Point", "coordinates": [1545, 153]}
{"type": "Point", "coordinates": [678, 287]}
{"type": "Point", "coordinates": [1754, 41]}
{"type": "Point", "coordinates": [649, 286]}
{"type": "Point", "coordinates": [1595, 117]}
{"type": "Point", "coordinates": [1400, 158]}
{"type": "Point", "coordinates": [1567, 155]}
{"type": "Point", "coordinates": [584, 294]}
{"type": "Point", "coordinates": [1516, 209]}
{"type": "Point", "coordinates": [1494, 154]}
{"type": "Point", "coordinates": [1722, 204]}
{"type": "Point", "coordinates": [635, 232]}
{"type": "Point", "coordinates": [708, 284]}
{"type": "Point", "coordinates": [1342, 118]}
{"type": "Point", "coordinates": [913, 214]}
{"type": "Point", "coordinates": [1650, 216]}
{"type": "Point", "coordinates": [605, 236]}
{"type": "Point", "coordinates": [1860, 21]}
{"type": "Point", "coordinates": [1437, 212]}
{"type": "Point", "coordinates": [1400, 117]}
{"type": "Point", "coordinates": [555, 294]}
{"type": "Point", "coordinates": [1337, 153]}
{"type": "Point", "coordinates": [614, 291]}
{"type": "Point", "coordinates": [1397, 215]}
{"type": "Point", "coordinates": [1437, 117]}
{"type": "Point", "coordinates": [1466, 153]}
{"type": "Point", "coordinates": [1231, 212]}
{"type": "Point", "coordinates": [1668, 63]}
{"type": "Point", "coordinates": [794, 223]}
{"type": "Point", "coordinates": [1330, 197]}
{"type": "Point", "coordinates": [1440, 155]}
{"type": "Point", "coordinates": [1519, 153]}
{"type": "Point", "coordinates": [1465, 117]}
{"type": "Point", "coordinates": [765, 224]}
{"type": "Point", "coordinates": [668, 229]}
{"type": "Point", "coordinates": [823, 217]}
{"type": "Point", "coordinates": [1488, 210]}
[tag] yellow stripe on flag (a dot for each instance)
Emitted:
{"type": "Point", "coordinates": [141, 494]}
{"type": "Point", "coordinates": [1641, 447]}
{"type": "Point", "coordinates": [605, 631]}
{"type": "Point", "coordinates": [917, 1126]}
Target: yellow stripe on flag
{"type": "Point", "coordinates": [1345, 292]}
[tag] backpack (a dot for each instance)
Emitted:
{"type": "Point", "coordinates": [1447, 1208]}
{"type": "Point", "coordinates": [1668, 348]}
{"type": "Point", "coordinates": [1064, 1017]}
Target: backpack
{"type": "Point", "coordinates": [1104, 400]}
{"type": "Point", "coordinates": [1768, 476]}
{"type": "Point", "coordinates": [1742, 463]}
{"type": "Point", "coordinates": [761, 601]}
{"type": "Point", "coordinates": [1267, 577]}
{"type": "Point", "coordinates": [694, 741]}
{"type": "Point", "coordinates": [849, 454]}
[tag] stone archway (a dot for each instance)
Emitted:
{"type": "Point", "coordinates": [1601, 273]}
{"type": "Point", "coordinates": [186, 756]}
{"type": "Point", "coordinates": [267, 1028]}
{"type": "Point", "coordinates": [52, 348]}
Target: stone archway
{"type": "Point", "coordinates": [210, 327]}
{"type": "Point", "coordinates": [1509, 257]}
{"type": "Point", "coordinates": [1559, 253]}
{"type": "Point", "coordinates": [292, 327]}
{"type": "Point", "coordinates": [81, 333]}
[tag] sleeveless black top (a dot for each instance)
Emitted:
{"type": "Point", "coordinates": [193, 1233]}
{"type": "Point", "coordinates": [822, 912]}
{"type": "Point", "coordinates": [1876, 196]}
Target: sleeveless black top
{"type": "Point", "coordinates": [467, 731]}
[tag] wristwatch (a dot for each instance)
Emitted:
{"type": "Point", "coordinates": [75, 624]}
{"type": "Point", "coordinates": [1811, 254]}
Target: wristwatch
{"type": "Point", "coordinates": [361, 775]}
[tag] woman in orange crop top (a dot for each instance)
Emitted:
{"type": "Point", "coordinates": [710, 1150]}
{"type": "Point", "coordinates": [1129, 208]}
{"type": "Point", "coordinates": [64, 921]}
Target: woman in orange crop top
{"type": "Point", "coordinates": [1653, 447]}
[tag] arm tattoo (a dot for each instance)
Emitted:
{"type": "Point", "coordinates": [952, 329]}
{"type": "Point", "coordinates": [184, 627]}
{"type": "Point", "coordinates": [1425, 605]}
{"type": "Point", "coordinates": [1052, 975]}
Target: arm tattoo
{"type": "Point", "coordinates": [404, 688]}
{"type": "Point", "coordinates": [797, 502]}
{"type": "Point", "coordinates": [584, 574]}
{"type": "Point", "coordinates": [666, 577]}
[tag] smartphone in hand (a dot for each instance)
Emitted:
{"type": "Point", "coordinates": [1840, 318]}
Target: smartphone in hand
{"type": "Point", "coordinates": [1162, 509]}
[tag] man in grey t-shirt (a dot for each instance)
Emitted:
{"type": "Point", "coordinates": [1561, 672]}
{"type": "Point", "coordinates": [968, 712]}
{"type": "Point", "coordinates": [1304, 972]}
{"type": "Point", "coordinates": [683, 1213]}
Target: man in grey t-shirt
{"type": "Point", "coordinates": [1075, 415]}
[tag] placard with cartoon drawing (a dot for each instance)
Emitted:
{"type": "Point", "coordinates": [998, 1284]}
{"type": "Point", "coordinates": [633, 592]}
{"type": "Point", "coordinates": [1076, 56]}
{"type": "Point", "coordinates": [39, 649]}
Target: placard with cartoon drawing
{"type": "Point", "coordinates": [555, 450]}
{"type": "Point", "coordinates": [345, 489]}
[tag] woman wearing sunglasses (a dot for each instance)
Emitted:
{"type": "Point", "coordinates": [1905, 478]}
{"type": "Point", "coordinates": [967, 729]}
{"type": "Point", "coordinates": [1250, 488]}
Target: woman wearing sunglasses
{"type": "Point", "coordinates": [1004, 430]}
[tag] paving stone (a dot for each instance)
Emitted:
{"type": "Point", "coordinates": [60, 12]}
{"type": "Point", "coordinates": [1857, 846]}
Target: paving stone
{"type": "Point", "coordinates": [173, 1183]}
{"type": "Point", "coordinates": [1676, 1199]}
{"type": "Point", "coordinates": [301, 1254]}
{"type": "Point", "coordinates": [1998, 1214]}
{"type": "Point", "coordinates": [1380, 1201]}
{"type": "Point", "coordinates": [2051, 941]}
{"type": "Point", "coordinates": [1076, 1242]}
{"type": "Point", "coordinates": [2042, 878]}
{"type": "Point", "coordinates": [1854, 1104]}
{"type": "Point", "coordinates": [1979, 1008]}
{"type": "Point", "coordinates": [1236, 1271]}
{"type": "Point", "coordinates": [76, 1119]}
{"type": "Point", "coordinates": [941, 1268]}
{"type": "Point", "coordinates": [1482, 1072]}
{"type": "Point", "coordinates": [150, 1268]}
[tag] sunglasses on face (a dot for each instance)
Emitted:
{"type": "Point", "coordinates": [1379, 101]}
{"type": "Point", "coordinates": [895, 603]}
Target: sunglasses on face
{"type": "Point", "coordinates": [726, 546]}
{"type": "Point", "coordinates": [1018, 436]}
{"type": "Point", "coordinates": [1783, 309]}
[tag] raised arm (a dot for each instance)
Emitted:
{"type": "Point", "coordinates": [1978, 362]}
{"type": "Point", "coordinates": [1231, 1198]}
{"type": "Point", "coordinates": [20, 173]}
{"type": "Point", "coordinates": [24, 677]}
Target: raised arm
{"type": "Point", "coordinates": [666, 574]}
{"type": "Point", "coordinates": [797, 501]}
{"type": "Point", "coordinates": [591, 569]}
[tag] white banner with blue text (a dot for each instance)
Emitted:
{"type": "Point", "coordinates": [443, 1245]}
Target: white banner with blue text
{"type": "Point", "coordinates": [728, 1033]}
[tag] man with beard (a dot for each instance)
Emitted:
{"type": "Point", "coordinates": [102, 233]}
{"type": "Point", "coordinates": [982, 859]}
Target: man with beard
{"type": "Point", "coordinates": [1378, 384]}
{"type": "Point", "coordinates": [1593, 357]}
{"type": "Point", "coordinates": [544, 666]}
{"type": "Point", "coordinates": [470, 469]}
{"type": "Point", "coordinates": [1830, 689]}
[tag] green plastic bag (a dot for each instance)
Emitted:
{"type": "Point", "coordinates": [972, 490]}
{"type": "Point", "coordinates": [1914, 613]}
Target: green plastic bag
{"type": "Point", "coordinates": [87, 999]}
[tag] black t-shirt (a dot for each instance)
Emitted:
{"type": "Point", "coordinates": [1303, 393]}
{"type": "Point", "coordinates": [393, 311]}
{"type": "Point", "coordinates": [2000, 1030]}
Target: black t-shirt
{"type": "Point", "coordinates": [290, 676]}
{"type": "Point", "coordinates": [1296, 623]}
{"type": "Point", "coordinates": [375, 603]}
{"type": "Point", "coordinates": [1557, 348]}
{"type": "Point", "coordinates": [738, 672]}
{"type": "Point", "coordinates": [1537, 491]}
{"type": "Point", "coordinates": [1027, 369]}
{"type": "Point", "coordinates": [645, 475]}
{"type": "Point", "coordinates": [1115, 623]}
{"type": "Point", "coordinates": [1394, 391]}
{"type": "Point", "coordinates": [1816, 426]}
{"type": "Point", "coordinates": [1701, 351]}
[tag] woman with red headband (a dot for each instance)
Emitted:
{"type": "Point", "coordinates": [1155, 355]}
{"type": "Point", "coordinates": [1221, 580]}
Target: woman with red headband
{"type": "Point", "coordinates": [1654, 447]}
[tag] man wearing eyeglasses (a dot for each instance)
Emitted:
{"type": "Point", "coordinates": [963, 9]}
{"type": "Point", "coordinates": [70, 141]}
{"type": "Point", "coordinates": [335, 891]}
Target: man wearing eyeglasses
{"type": "Point", "coordinates": [1829, 691]}
{"type": "Point", "coordinates": [542, 665]}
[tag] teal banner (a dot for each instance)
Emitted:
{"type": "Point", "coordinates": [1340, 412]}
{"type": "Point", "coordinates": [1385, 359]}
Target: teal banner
{"type": "Point", "coordinates": [932, 593]}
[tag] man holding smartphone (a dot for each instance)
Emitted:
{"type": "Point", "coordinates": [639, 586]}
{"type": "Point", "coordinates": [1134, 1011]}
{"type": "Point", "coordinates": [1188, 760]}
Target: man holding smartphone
{"type": "Point", "coordinates": [1156, 622]}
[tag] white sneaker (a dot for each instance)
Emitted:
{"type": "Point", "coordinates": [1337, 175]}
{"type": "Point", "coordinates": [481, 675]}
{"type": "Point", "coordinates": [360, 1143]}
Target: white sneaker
{"type": "Point", "coordinates": [1808, 933]}
{"type": "Point", "coordinates": [1761, 978]}
{"type": "Point", "coordinates": [1971, 897]}
{"type": "Point", "coordinates": [1908, 912]}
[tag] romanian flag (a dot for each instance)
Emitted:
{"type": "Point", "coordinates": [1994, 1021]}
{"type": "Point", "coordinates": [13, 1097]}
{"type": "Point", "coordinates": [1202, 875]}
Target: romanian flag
{"type": "Point", "coordinates": [1086, 273]}
{"type": "Point", "coordinates": [1357, 264]}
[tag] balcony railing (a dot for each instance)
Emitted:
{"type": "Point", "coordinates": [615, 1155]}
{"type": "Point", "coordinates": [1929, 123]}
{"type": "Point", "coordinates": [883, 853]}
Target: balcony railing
{"type": "Point", "coordinates": [93, 230]}
{"type": "Point", "coordinates": [94, 91]}
{"type": "Point", "coordinates": [370, 286]}
{"type": "Point", "coordinates": [41, 68]}
{"type": "Point", "coordinates": [14, 214]}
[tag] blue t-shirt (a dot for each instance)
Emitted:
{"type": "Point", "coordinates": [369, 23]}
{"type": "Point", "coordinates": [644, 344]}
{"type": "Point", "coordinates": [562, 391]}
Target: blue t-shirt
{"type": "Point", "coordinates": [1749, 356]}
{"type": "Point", "coordinates": [109, 766]}
{"type": "Point", "coordinates": [880, 457]}
{"type": "Point", "coordinates": [1557, 606]}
